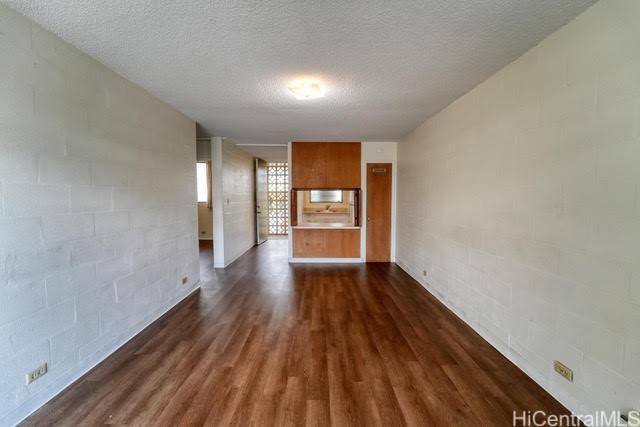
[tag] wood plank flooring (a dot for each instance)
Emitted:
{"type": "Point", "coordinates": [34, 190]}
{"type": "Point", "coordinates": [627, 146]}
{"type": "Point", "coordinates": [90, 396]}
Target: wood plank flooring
{"type": "Point", "coordinates": [266, 343]}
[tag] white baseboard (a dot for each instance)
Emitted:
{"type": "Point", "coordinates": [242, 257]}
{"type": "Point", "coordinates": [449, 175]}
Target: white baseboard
{"type": "Point", "coordinates": [23, 411]}
{"type": "Point", "coordinates": [326, 260]}
{"type": "Point", "coordinates": [226, 264]}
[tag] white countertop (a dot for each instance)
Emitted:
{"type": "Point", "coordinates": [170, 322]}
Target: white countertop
{"type": "Point", "coordinates": [327, 226]}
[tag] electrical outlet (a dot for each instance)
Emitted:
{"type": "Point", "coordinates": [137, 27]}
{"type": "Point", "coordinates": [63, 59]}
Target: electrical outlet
{"type": "Point", "coordinates": [36, 373]}
{"type": "Point", "coordinates": [185, 280]}
{"type": "Point", "coordinates": [563, 370]}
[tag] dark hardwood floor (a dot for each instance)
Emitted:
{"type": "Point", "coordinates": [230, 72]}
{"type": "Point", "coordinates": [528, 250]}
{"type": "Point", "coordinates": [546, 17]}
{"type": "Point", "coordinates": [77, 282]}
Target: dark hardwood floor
{"type": "Point", "coordinates": [267, 343]}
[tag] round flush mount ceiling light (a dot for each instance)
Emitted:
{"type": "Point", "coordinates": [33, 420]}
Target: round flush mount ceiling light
{"type": "Point", "coordinates": [305, 89]}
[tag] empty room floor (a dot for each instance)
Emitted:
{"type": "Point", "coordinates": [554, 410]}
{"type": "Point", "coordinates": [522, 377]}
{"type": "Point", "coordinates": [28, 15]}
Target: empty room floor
{"type": "Point", "coordinates": [268, 343]}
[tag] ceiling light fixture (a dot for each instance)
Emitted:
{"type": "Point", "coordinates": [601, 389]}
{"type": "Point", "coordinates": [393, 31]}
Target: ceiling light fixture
{"type": "Point", "coordinates": [303, 89]}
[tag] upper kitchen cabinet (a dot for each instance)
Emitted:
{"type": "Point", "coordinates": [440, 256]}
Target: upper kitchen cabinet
{"type": "Point", "coordinates": [317, 165]}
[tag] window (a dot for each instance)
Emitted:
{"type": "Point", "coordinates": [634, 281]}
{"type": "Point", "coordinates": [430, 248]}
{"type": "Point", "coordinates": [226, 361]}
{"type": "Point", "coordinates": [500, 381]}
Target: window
{"type": "Point", "coordinates": [326, 196]}
{"type": "Point", "coordinates": [278, 195]}
{"type": "Point", "coordinates": [328, 208]}
{"type": "Point", "coordinates": [203, 184]}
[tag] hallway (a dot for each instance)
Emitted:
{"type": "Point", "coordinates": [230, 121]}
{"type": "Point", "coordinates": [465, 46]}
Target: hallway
{"type": "Point", "coordinates": [268, 343]}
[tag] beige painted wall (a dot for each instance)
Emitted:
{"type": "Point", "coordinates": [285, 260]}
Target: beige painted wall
{"type": "Point", "coordinates": [97, 212]}
{"type": "Point", "coordinates": [520, 201]}
{"type": "Point", "coordinates": [205, 221]}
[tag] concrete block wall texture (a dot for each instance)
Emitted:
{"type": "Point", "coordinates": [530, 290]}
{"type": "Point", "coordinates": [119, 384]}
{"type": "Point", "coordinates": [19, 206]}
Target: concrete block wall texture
{"type": "Point", "coordinates": [238, 187]}
{"type": "Point", "coordinates": [520, 200]}
{"type": "Point", "coordinates": [97, 212]}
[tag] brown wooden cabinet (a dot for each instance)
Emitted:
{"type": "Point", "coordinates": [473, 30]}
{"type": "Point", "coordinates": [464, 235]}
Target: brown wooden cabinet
{"type": "Point", "coordinates": [328, 165]}
{"type": "Point", "coordinates": [326, 243]}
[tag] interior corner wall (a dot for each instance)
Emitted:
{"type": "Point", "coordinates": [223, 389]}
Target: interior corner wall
{"type": "Point", "coordinates": [520, 202]}
{"type": "Point", "coordinates": [97, 212]}
{"type": "Point", "coordinates": [233, 202]}
{"type": "Point", "coordinates": [203, 149]}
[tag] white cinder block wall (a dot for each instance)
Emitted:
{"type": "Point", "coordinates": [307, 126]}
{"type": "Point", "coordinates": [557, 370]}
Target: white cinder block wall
{"type": "Point", "coordinates": [97, 212]}
{"type": "Point", "coordinates": [521, 202]}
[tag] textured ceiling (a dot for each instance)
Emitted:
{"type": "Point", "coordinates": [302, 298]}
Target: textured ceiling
{"type": "Point", "coordinates": [387, 64]}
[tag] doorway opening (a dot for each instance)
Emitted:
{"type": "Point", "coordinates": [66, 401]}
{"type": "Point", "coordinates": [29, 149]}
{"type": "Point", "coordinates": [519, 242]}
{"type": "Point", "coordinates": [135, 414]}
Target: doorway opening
{"type": "Point", "coordinates": [205, 214]}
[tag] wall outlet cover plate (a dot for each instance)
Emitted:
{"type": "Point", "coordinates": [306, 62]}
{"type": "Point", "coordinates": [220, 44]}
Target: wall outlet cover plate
{"type": "Point", "coordinates": [563, 370]}
{"type": "Point", "coordinates": [37, 373]}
